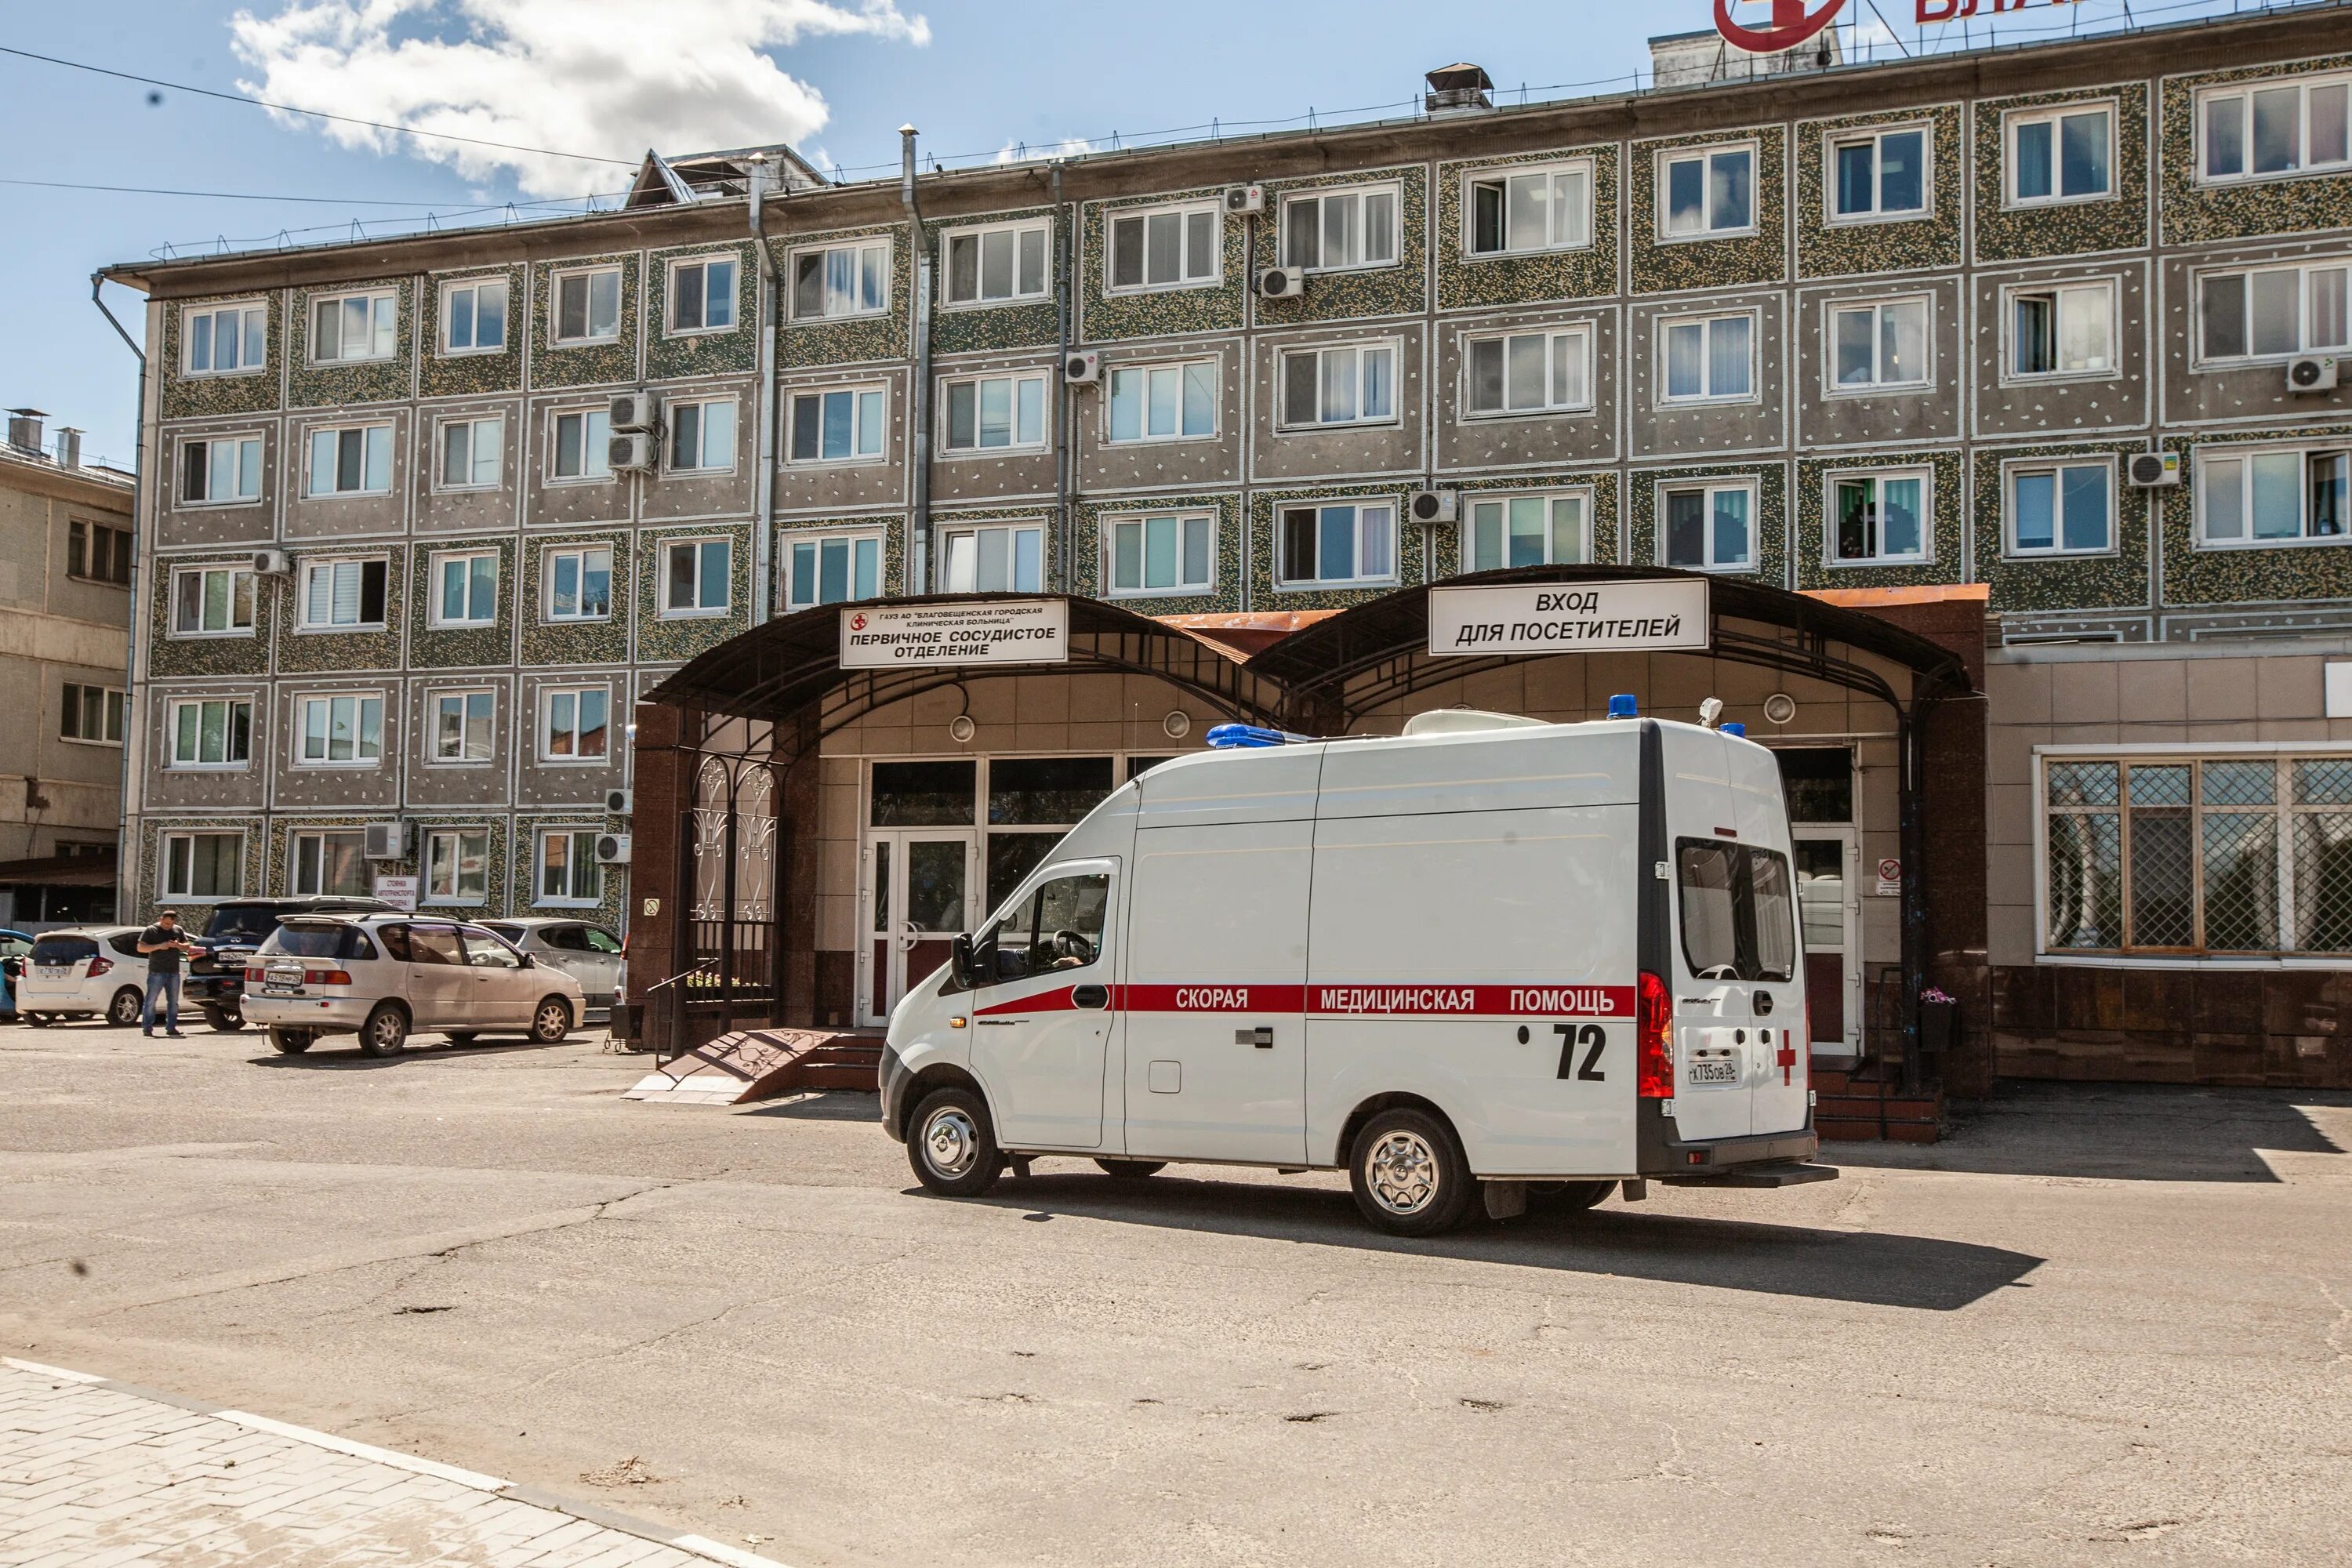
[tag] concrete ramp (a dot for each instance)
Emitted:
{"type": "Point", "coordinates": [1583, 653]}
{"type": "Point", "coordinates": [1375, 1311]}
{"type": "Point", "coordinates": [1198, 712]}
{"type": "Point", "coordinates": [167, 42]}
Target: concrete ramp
{"type": "Point", "coordinates": [761, 1064]}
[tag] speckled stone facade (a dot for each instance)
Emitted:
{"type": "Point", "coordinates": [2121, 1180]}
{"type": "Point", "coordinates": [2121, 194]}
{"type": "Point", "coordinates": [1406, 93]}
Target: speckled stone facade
{"type": "Point", "coordinates": [1660, 265]}
{"type": "Point", "coordinates": [976, 329]}
{"type": "Point", "coordinates": [313, 652]}
{"type": "Point", "coordinates": [193, 915]}
{"type": "Point", "coordinates": [311, 384]}
{"type": "Point", "coordinates": [1947, 519]}
{"type": "Point", "coordinates": [729, 353]}
{"type": "Point", "coordinates": [1219, 307]}
{"type": "Point", "coordinates": [522, 893]}
{"type": "Point", "coordinates": [2195, 212]}
{"type": "Point", "coordinates": [1042, 514]}
{"type": "Point", "coordinates": [894, 546]}
{"type": "Point", "coordinates": [2119, 222]}
{"type": "Point", "coordinates": [495, 880]}
{"type": "Point", "coordinates": [609, 363]}
{"type": "Point", "coordinates": [185, 396]}
{"type": "Point", "coordinates": [2217, 575]}
{"type": "Point", "coordinates": [1771, 522]}
{"type": "Point", "coordinates": [1090, 564]}
{"type": "Point", "coordinates": [1472, 282]}
{"type": "Point", "coordinates": [1398, 291]}
{"type": "Point", "coordinates": [1264, 554]}
{"type": "Point", "coordinates": [676, 638]}
{"type": "Point", "coordinates": [456, 375]}
{"type": "Point", "coordinates": [461, 646]}
{"type": "Point", "coordinates": [855, 339]}
{"type": "Point", "coordinates": [218, 654]}
{"type": "Point", "coordinates": [589, 643]}
{"type": "Point", "coordinates": [2116, 580]}
{"type": "Point", "coordinates": [1605, 512]}
{"type": "Point", "coordinates": [1828, 247]}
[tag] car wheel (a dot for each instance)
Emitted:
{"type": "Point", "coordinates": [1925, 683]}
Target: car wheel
{"type": "Point", "coordinates": [1567, 1197]}
{"type": "Point", "coordinates": [1410, 1176]}
{"type": "Point", "coordinates": [126, 1008]}
{"type": "Point", "coordinates": [385, 1033]}
{"type": "Point", "coordinates": [954, 1149]}
{"type": "Point", "coordinates": [551, 1021]}
{"type": "Point", "coordinates": [292, 1042]}
{"type": "Point", "coordinates": [227, 1020]}
{"type": "Point", "coordinates": [1133, 1170]}
{"type": "Point", "coordinates": [459, 1037]}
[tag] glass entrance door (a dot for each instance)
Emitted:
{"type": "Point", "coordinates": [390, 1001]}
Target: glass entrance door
{"type": "Point", "coordinates": [918, 897]}
{"type": "Point", "coordinates": [1829, 904]}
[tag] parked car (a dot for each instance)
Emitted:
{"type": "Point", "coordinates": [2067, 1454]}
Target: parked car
{"type": "Point", "coordinates": [13, 946]}
{"type": "Point", "coordinates": [382, 976]}
{"type": "Point", "coordinates": [83, 973]}
{"type": "Point", "coordinates": [589, 953]}
{"type": "Point", "coordinates": [215, 980]}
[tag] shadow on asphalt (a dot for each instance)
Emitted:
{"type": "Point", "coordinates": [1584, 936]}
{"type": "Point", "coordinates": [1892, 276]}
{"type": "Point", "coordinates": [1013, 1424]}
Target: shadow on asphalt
{"type": "Point", "coordinates": [825, 1105]}
{"type": "Point", "coordinates": [348, 1057]}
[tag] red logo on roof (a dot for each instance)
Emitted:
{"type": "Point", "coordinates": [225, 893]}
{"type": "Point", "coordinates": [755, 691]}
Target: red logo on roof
{"type": "Point", "coordinates": [1792, 24]}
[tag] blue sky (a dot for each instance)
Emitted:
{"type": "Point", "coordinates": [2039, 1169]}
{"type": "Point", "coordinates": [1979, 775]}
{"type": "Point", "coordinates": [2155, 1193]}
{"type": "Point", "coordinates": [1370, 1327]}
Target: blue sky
{"type": "Point", "coordinates": [976, 77]}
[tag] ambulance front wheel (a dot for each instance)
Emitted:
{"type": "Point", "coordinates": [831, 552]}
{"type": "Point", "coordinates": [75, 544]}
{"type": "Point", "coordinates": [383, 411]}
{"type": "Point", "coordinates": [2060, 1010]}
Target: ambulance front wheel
{"type": "Point", "coordinates": [1410, 1176]}
{"type": "Point", "coordinates": [954, 1149]}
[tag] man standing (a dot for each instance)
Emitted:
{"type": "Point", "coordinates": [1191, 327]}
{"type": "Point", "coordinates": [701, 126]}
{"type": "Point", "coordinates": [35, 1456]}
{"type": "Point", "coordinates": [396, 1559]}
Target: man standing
{"type": "Point", "coordinates": [161, 945]}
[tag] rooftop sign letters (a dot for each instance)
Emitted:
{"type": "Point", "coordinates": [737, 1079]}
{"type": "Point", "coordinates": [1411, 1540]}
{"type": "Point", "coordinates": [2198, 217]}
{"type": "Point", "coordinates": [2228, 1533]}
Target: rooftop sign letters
{"type": "Point", "coordinates": [1006, 631]}
{"type": "Point", "coordinates": [1795, 21]}
{"type": "Point", "coordinates": [1570, 618]}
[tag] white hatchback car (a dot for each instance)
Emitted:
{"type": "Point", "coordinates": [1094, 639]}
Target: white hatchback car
{"type": "Point", "coordinates": [84, 971]}
{"type": "Point", "coordinates": [379, 976]}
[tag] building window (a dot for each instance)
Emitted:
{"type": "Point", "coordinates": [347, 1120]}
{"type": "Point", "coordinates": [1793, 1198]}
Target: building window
{"type": "Point", "coordinates": [330, 862]}
{"type": "Point", "coordinates": [1706, 195]}
{"type": "Point", "coordinates": [353, 327]}
{"type": "Point", "coordinates": [832, 569]}
{"type": "Point", "coordinates": [471, 453]}
{"type": "Point", "coordinates": [345, 729]}
{"type": "Point", "coordinates": [1163, 248]}
{"type": "Point", "coordinates": [1332, 231]}
{"type": "Point", "coordinates": [580, 583]}
{"type": "Point", "coordinates": [206, 866]}
{"type": "Point", "coordinates": [90, 713]}
{"type": "Point", "coordinates": [2063, 330]}
{"type": "Point", "coordinates": [694, 577]}
{"type": "Point", "coordinates": [995, 413]}
{"type": "Point", "coordinates": [997, 265]}
{"type": "Point", "coordinates": [1354, 385]}
{"type": "Point", "coordinates": [462, 726]}
{"type": "Point", "coordinates": [96, 552]}
{"type": "Point", "coordinates": [2061, 155]}
{"type": "Point", "coordinates": [1545, 208]}
{"type": "Point", "coordinates": [588, 306]}
{"type": "Point", "coordinates": [1879, 174]}
{"type": "Point", "coordinates": [583, 444]}
{"type": "Point", "coordinates": [576, 727]}
{"type": "Point", "coordinates": [342, 594]}
{"type": "Point", "coordinates": [2286, 128]}
{"type": "Point", "coordinates": [212, 600]}
{"type": "Point", "coordinates": [1007, 559]}
{"type": "Point", "coordinates": [355, 461]}
{"type": "Point", "coordinates": [702, 435]}
{"type": "Point", "coordinates": [1161, 555]}
{"type": "Point", "coordinates": [2273, 497]}
{"type": "Point", "coordinates": [840, 426]}
{"type": "Point", "coordinates": [2062, 509]}
{"type": "Point", "coordinates": [1338, 545]}
{"type": "Point", "coordinates": [1878, 346]}
{"type": "Point", "coordinates": [1879, 520]}
{"type": "Point", "coordinates": [1710, 528]}
{"type": "Point", "coordinates": [224, 340]}
{"type": "Point", "coordinates": [210, 732]}
{"type": "Point", "coordinates": [841, 280]}
{"type": "Point", "coordinates": [1529, 530]}
{"type": "Point", "coordinates": [568, 872]}
{"type": "Point", "coordinates": [474, 317]}
{"type": "Point", "coordinates": [2273, 312]}
{"type": "Point", "coordinates": [221, 471]}
{"type": "Point", "coordinates": [1527, 372]}
{"type": "Point", "coordinates": [1707, 359]}
{"type": "Point", "coordinates": [466, 589]}
{"type": "Point", "coordinates": [1163, 402]}
{"type": "Point", "coordinates": [458, 866]}
{"type": "Point", "coordinates": [702, 295]}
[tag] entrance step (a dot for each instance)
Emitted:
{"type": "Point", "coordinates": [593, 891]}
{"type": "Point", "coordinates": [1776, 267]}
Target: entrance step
{"type": "Point", "coordinates": [763, 1064]}
{"type": "Point", "coordinates": [1862, 1106]}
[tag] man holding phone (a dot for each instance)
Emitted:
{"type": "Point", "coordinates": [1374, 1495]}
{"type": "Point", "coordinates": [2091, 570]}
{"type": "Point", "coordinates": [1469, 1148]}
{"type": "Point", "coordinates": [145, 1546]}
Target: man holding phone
{"type": "Point", "coordinates": [162, 945]}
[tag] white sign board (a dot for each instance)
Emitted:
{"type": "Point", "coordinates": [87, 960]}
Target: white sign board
{"type": "Point", "coordinates": [1014, 631]}
{"type": "Point", "coordinates": [1569, 618]}
{"type": "Point", "coordinates": [400, 893]}
{"type": "Point", "coordinates": [1890, 879]}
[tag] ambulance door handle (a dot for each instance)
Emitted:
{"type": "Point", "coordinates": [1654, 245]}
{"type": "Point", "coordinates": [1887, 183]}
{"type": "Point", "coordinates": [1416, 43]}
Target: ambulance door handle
{"type": "Point", "coordinates": [1262, 1038]}
{"type": "Point", "coordinates": [1093, 998]}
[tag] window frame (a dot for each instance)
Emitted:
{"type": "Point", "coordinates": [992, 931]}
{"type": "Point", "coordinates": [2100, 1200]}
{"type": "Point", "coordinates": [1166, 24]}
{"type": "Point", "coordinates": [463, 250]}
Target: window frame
{"type": "Point", "coordinates": [175, 763]}
{"type": "Point", "coordinates": [1360, 347]}
{"type": "Point", "coordinates": [704, 260]}
{"type": "Point", "coordinates": [1663, 322]}
{"type": "Point", "coordinates": [1141, 518]}
{"type": "Point", "coordinates": [1926, 554]}
{"type": "Point", "coordinates": [2304, 269]}
{"type": "Point", "coordinates": [1749, 485]}
{"type": "Point", "coordinates": [1549, 495]}
{"type": "Point", "coordinates": [2052, 113]}
{"type": "Point", "coordinates": [113, 705]}
{"type": "Point", "coordinates": [338, 298]}
{"type": "Point", "coordinates": [576, 834]}
{"type": "Point", "coordinates": [82, 536]}
{"type": "Point", "coordinates": [2012, 467]}
{"type": "Point", "coordinates": [233, 571]}
{"type": "Point", "coordinates": [2243, 454]}
{"type": "Point", "coordinates": [698, 611]}
{"type": "Point", "coordinates": [442, 348]}
{"type": "Point", "coordinates": [180, 501]}
{"type": "Point", "coordinates": [548, 613]}
{"type": "Point", "coordinates": [1358, 504]}
{"type": "Point", "coordinates": [1014, 379]}
{"type": "Point", "coordinates": [2305, 169]}
{"type": "Point", "coordinates": [1145, 369]}
{"type": "Point", "coordinates": [1475, 177]}
{"type": "Point", "coordinates": [1013, 527]}
{"type": "Point", "coordinates": [2009, 293]}
{"type": "Point", "coordinates": [187, 893]}
{"type": "Point", "coordinates": [584, 411]}
{"type": "Point", "coordinates": [855, 391]}
{"type": "Point", "coordinates": [544, 731]}
{"type": "Point", "coordinates": [1393, 189]}
{"type": "Point", "coordinates": [1582, 331]}
{"type": "Point", "coordinates": [977, 233]}
{"type": "Point", "coordinates": [441, 428]}
{"type": "Point", "coordinates": [558, 275]}
{"type": "Point", "coordinates": [215, 309]}
{"type": "Point", "coordinates": [302, 623]}
{"type": "Point", "coordinates": [339, 429]}
{"type": "Point", "coordinates": [1182, 211]}
{"type": "Point", "coordinates": [1835, 142]}
{"type": "Point", "coordinates": [456, 896]}
{"type": "Point", "coordinates": [1663, 158]}
{"type": "Point", "coordinates": [436, 562]}
{"type": "Point", "coordinates": [359, 696]}
{"type": "Point", "coordinates": [669, 465]}
{"type": "Point", "coordinates": [1832, 307]}
{"type": "Point", "coordinates": [436, 695]}
{"type": "Point", "coordinates": [788, 540]}
{"type": "Point", "coordinates": [888, 246]}
{"type": "Point", "coordinates": [294, 859]}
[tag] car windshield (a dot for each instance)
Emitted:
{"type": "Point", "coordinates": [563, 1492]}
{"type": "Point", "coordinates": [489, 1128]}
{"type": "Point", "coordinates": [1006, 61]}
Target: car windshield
{"type": "Point", "coordinates": [63, 949]}
{"type": "Point", "coordinates": [245, 922]}
{"type": "Point", "coordinates": [311, 942]}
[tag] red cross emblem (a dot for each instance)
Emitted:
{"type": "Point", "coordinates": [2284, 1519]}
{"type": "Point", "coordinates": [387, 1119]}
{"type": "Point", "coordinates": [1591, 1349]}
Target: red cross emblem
{"type": "Point", "coordinates": [1791, 25]}
{"type": "Point", "coordinates": [1787, 1061]}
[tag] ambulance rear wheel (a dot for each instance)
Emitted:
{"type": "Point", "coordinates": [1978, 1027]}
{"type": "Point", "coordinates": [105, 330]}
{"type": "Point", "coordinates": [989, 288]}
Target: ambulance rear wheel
{"type": "Point", "coordinates": [1133, 1170]}
{"type": "Point", "coordinates": [1410, 1176]}
{"type": "Point", "coordinates": [953, 1150]}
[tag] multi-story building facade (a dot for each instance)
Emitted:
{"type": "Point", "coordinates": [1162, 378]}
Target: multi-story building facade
{"type": "Point", "coordinates": [1882, 334]}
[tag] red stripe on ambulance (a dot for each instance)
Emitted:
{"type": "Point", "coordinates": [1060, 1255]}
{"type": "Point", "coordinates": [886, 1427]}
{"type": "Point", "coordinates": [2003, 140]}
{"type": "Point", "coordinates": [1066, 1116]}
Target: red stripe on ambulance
{"type": "Point", "coordinates": [1351, 1000]}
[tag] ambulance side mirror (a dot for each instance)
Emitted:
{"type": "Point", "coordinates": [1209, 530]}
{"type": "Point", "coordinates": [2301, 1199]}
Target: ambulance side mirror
{"type": "Point", "coordinates": [961, 963]}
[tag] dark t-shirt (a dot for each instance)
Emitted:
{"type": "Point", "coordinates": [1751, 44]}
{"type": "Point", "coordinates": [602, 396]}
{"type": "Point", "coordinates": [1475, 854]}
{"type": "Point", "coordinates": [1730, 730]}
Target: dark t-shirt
{"type": "Point", "coordinates": [167, 961]}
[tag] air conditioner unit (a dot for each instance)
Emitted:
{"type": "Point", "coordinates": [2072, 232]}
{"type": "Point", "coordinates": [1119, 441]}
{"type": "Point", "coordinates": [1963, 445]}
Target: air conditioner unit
{"type": "Point", "coordinates": [386, 840]}
{"type": "Point", "coordinates": [2154, 470]}
{"type": "Point", "coordinates": [1083, 368]}
{"type": "Point", "coordinates": [611, 850]}
{"type": "Point", "coordinates": [2311, 372]}
{"type": "Point", "coordinates": [634, 411]}
{"type": "Point", "coordinates": [271, 563]}
{"type": "Point", "coordinates": [617, 802]}
{"type": "Point", "coordinates": [1241, 199]}
{"type": "Point", "coordinates": [1435, 506]}
{"type": "Point", "coordinates": [631, 451]}
{"type": "Point", "coordinates": [1282, 282]}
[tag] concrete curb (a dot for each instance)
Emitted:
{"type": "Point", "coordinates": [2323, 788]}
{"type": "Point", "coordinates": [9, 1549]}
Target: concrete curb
{"type": "Point", "coordinates": [589, 1513]}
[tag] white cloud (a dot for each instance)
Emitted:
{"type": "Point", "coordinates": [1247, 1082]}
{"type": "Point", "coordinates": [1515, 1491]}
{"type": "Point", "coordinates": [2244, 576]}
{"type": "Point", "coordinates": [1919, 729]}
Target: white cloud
{"type": "Point", "coordinates": [1021, 152]}
{"type": "Point", "coordinates": [605, 77]}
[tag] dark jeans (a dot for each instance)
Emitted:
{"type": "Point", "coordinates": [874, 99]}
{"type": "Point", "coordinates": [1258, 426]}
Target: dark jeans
{"type": "Point", "coordinates": [169, 984]}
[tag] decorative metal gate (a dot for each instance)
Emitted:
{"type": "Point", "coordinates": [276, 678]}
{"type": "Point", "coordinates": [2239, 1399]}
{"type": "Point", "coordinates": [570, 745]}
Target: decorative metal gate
{"type": "Point", "coordinates": [733, 918]}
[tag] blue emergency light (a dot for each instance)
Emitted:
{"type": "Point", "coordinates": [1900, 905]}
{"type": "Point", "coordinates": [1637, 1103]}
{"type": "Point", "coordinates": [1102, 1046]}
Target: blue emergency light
{"type": "Point", "coordinates": [1238, 737]}
{"type": "Point", "coordinates": [1739, 730]}
{"type": "Point", "coordinates": [1624, 706]}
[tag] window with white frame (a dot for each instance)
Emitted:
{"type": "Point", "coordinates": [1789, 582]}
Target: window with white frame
{"type": "Point", "coordinates": [2258, 131]}
{"type": "Point", "coordinates": [354, 460]}
{"type": "Point", "coordinates": [1161, 554]}
{"type": "Point", "coordinates": [1163, 248]}
{"type": "Point", "coordinates": [220, 470]}
{"type": "Point", "coordinates": [466, 588]}
{"type": "Point", "coordinates": [224, 340]}
{"type": "Point", "coordinates": [569, 875]}
{"type": "Point", "coordinates": [471, 453]}
{"type": "Point", "coordinates": [212, 600]}
{"type": "Point", "coordinates": [1879, 519]}
{"type": "Point", "coordinates": [1706, 192]}
{"type": "Point", "coordinates": [839, 425]}
{"type": "Point", "coordinates": [331, 861]}
{"type": "Point", "coordinates": [1354, 383]}
{"type": "Point", "coordinates": [1163, 402]}
{"type": "Point", "coordinates": [2061, 155]}
{"type": "Point", "coordinates": [2062, 509]}
{"type": "Point", "coordinates": [1878, 345]}
{"type": "Point", "coordinates": [580, 583]}
{"type": "Point", "coordinates": [996, 558]}
{"type": "Point", "coordinates": [841, 280]}
{"type": "Point", "coordinates": [695, 576]}
{"type": "Point", "coordinates": [582, 448]}
{"type": "Point", "coordinates": [209, 732]}
{"type": "Point", "coordinates": [575, 723]}
{"type": "Point", "coordinates": [588, 306]}
{"type": "Point", "coordinates": [2273, 312]}
{"type": "Point", "coordinates": [1879, 174]}
{"type": "Point", "coordinates": [1509, 212]}
{"type": "Point", "coordinates": [474, 316]}
{"type": "Point", "coordinates": [1338, 230]}
{"type": "Point", "coordinates": [1709, 527]}
{"type": "Point", "coordinates": [1554, 530]}
{"type": "Point", "coordinates": [995, 413]}
{"type": "Point", "coordinates": [2257, 498]}
{"type": "Point", "coordinates": [92, 714]}
{"type": "Point", "coordinates": [202, 866]}
{"type": "Point", "coordinates": [463, 725]}
{"type": "Point", "coordinates": [338, 729]}
{"type": "Point", "coordinates": [702, 294]}
{"type": "Point", "coordinates": [458, 866]}
{"type": "Point", "coordinates": [1527, 372]}
{"type": "Point", "coordinates": [702, 435]}
{"type": "Point", "coordinates": [343, 595]}
{"type": "Point", "coordinates": [2063, 330]}
{"type": "Point", "coordinates": [1707, 359]}
{"type": "Point", "coordinates": [353, 326]}
{"type": "Point", "coordinates": [996, 264]}
{"type": "Point", "coordinates": [1338, 545]}
{"type": "Point", "coordinates": [831, 569]}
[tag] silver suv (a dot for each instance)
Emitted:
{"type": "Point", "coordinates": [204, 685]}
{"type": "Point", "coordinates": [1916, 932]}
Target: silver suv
{"type": "Point", "coordinates": [382, 975]}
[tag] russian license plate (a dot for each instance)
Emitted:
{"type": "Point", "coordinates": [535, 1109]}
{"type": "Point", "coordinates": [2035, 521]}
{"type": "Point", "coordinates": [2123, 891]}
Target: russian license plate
{"type": "Point", "coordinates": [282, 981]}
{"type": "Point", "coordinates": [1714, 1069]}
{"type": "Point", "coordinates": [54, 971]}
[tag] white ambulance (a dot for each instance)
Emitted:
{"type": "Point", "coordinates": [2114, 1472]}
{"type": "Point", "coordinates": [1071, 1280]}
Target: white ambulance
{"type": "Point", "coordinates": [1490, 957]}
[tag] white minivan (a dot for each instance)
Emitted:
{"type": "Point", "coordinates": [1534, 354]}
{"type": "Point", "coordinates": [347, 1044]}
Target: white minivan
{"type": "Point", "coordinates": [1490, 956]}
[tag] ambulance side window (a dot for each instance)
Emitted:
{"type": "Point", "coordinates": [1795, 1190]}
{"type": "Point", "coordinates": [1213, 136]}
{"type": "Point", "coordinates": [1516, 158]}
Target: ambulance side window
{"type": "Point", "coordinates": [1058, 926]}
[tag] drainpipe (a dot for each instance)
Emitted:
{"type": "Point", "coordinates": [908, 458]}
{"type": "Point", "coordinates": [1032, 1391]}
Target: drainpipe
{"type": "Point", "coordinates": [133, 728]}
{"type": "Point", "coordinates": [764, 505]}
{"type": "Point", "coordinates": [1065, 529]}
{"type": "Point", "coordinates": [918, 545]}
